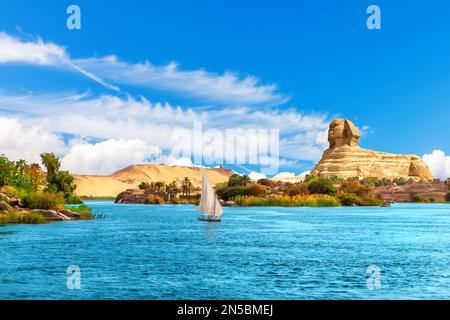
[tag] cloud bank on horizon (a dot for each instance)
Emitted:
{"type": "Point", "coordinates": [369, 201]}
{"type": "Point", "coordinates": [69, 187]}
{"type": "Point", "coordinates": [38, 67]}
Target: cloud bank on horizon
{"type": "Point", "coordinates": [438, 163]}
{"type": "Point", "coordinates": [103, 132]}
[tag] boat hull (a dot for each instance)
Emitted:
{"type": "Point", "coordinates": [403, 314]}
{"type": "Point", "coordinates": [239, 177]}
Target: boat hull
{"type": "Point", "coordinates": [210, 219]}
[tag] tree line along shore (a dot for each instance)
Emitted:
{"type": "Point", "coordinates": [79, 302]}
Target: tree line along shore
{"type": "Point", "coordinates": [29, 194]}
{"type": "Point", "coordinates": [314, 192]}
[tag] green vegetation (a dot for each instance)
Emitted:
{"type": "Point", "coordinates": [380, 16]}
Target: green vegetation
{"type": "Point", "coordinates": [186, 187]}
{"type": "Point", "coordinates": [43, 200]}
{"type": "Point", "coordinates": [154, 199]}
{"type": "Point", "coordinates": [26, 186]}
{"type": "Point", "coordinates": [228, 193]}
{"type": "Point", "coordinates": [59, 181]}
{"type": "Point", "coordinates": [416, 198]}
{"type": "Point", "coordinates": [145, 186]}
{"type": "Point", "coordinates": [321, 186]}
{"type": "Point", "coordinates": [21, 217]}
{"type": "Point", "coordinates": [314, 192]}
{"type": "Point", "coordinates": [238, 180]}
{"type": "Point", "coordinates": [160, 192]}
{"type": "Point", "coordinates": [314, 200]}
{"type": "Point", "coordinates": [375, 182]}
{"type": "Point", "coordinates": [82, 209]}
{"type": "Point", "coordinates": [447, 197]}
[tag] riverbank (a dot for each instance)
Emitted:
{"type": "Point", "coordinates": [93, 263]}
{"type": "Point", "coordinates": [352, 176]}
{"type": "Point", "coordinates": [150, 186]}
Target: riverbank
{"type": "Point", "coordinates": [38, 216]}
{"type": "Point", "coordinates": [31, 195]}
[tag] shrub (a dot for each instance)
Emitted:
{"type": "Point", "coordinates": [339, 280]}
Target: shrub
{"type": "Point", "coordinates": [73, 199]}
{"type": "Point", "coordinates": [371, 200]}
{"type": "Point", "coordinates": [21, 217]}
{"type": "Point", "coordinates": [228, 193]}
{"type": "Point", "coordinates": [267, 182]}
{"type": "Point", "coordinates": [376, 182]}
{"type": "Point", "coordinates": [415, 197]}
{"type": "Point", "coordinates": [144, 186]}
{"type": "Point", "coordinates": [83, 209]}
{"type": "Point", "coordinates": [11, 192]}
{"type": "Point", "coordinates": [295, 189]}
{"type": "Point", "coordinates": [238, 180]}
{"type": "Point", "coordinates": [321, 186]}
{"type": "Point", "coordinates": [317, 200]}
{"type": "Point", "coordinates": [400, 181]}
{"type": "Point", "coordinates": [349, 199]}
{"type": "Point", "coordinates": [447, 197]}
{"type": "Point", "coordinates": [154, 199]}
{"type": "Point", "coordinates": [255, 190]}
{"type": "Point", "coordinates": [355, 187]}
{"type": "Point", "coordinates": [44, 200]}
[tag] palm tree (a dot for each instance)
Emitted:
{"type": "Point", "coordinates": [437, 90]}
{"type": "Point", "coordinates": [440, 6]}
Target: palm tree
{"type": "Point", "coordinates": [159, 185]}
{"type": "Point", "coordinates": [190, 185]}
{"type": "Point", "coordinates": [186, 186]}
{"type": "Point", "coordinates": [172, 189]}
{"type": "Point", "coordinates": [246, 180]}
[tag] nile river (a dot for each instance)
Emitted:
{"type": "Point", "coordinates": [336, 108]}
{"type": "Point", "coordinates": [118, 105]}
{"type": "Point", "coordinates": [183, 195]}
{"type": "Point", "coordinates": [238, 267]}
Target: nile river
{"type": "Point", "coordinates": [163, 252]}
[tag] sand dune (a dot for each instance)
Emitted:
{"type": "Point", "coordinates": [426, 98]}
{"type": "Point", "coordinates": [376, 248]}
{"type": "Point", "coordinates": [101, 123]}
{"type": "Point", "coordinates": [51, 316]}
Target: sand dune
{"type": "Point", "coordinates": [132, 176]}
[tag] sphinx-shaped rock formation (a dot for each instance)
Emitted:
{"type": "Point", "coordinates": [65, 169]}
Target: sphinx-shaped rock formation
{"type": "Point", "coordinates": [345, 159]}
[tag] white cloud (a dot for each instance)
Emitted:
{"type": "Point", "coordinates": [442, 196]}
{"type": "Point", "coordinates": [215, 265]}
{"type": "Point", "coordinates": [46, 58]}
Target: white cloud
{"type": "Point", "coordinates": [438, 163]}
{"type": "Point", "coordinates": [181, 162]}
{"type": "Point", "coordinates": [256, 175]}
{"type": "Point", "coordinates": [38, 52]}
{"type": "Point", "coordinates": [226, 88]}
{"type": "Point", "coordinates": [12, 50]}
{"type": "Point", "coordinates": [303, 136]}
{"type": "Point", "coordinates": [107, 156]}
{"type": "Point", "coordinates": [109, 117]}
{"type": "Point", "coordinates": [283, 175]}
{"type": "Point", "coordinates": [18, 141]}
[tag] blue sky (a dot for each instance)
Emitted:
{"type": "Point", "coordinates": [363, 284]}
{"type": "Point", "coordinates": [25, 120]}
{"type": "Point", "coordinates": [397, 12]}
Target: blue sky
{"type": "Point", "coordinates": [314, 58]}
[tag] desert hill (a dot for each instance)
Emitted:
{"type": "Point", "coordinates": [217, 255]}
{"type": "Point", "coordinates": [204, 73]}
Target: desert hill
{"type": "Point", "coordinates": [131, 176]}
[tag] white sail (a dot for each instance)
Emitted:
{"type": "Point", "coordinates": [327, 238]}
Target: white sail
{"type": "Point", "coordinates": [209, 203]}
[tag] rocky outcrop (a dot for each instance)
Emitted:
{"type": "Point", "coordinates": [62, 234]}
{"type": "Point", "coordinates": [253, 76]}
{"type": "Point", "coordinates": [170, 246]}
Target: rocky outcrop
{"type": "Point", "coordinates": [12, 204]}
{"type": "Point", "coordinates": [345, 159]}
{"type": "Point", "coordinates": [140, 196]}
{"type": "Point", "coordinates": [131, 196]}
{"type": "Point", "coordinates": [5, 206]}
{"type": "Point", "coordinates": [432, 190]}
{"type": "Point", "coordinates": [59, 215]}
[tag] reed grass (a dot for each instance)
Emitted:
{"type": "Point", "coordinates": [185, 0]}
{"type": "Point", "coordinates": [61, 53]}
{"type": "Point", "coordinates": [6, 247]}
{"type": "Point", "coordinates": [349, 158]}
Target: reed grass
{"type": "Point", "coordinates": [17, 217]}
{"type": "Point", "coordinates": [313, 200]}
{"type": "Point", "coordinates": [82, 209]}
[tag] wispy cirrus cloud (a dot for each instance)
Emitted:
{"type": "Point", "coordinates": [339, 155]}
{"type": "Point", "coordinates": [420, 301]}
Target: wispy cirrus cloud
{"type": "Point", "coordinates": [226, 88]}
{"type": "Point", "coordinates": [37, 52]}
{"type": "Point", "coordinates": [40, 53]}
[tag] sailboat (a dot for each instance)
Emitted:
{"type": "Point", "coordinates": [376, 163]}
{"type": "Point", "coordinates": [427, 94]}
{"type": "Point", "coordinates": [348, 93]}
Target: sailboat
{"type": "Point", "coordinates": [209, 204]}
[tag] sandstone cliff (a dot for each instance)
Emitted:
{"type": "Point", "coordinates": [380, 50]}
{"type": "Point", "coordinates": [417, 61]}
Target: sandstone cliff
{"type": "Point", "coordinates": [345, 159]}
{"type": "Point", "coordinates": [130, 177]}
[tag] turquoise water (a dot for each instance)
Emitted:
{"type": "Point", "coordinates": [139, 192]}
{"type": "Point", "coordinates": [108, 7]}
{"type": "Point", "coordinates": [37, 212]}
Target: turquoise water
{"type": "Point", "coordinates": [163, 252]}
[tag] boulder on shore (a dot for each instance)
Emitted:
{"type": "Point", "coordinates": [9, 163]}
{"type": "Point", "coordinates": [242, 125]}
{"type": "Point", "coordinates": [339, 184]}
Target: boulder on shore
{"type": "Point", "coordinates": [5, 207]}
